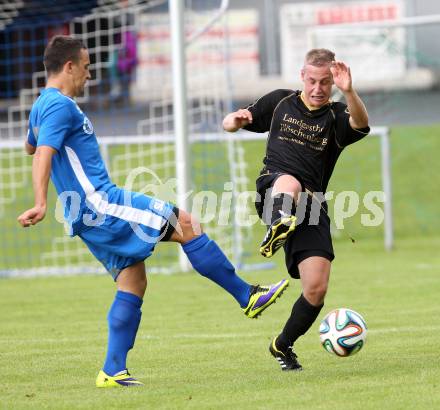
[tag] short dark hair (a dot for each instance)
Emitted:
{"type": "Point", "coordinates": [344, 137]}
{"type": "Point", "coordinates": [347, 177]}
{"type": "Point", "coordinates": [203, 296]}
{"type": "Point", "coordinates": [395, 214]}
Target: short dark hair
{"type": "Point", "coordinates": [59, 51]}
{"type": "Point", "coordinates": [319, 57]}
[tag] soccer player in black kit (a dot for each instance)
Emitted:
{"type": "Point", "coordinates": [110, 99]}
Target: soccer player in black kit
{"type": "Point", "coordinates": [307, 133]}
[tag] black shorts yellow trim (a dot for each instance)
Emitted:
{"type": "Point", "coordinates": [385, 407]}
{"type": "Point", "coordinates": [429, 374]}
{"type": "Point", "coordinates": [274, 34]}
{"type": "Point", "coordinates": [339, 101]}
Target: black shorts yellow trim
{"type": "Point", "coordinates": [307, 239]}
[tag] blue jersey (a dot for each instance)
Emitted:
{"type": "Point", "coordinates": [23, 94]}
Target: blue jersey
{"type": "Point", "coordinates": [77, 168]}
{"type": "Point", "coordinates": [127, 224]}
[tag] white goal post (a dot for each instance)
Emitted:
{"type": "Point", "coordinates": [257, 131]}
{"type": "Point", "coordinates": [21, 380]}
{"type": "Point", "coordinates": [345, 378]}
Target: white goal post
{"type": "Point", "coordinates": [57, 259]}
{"type": "Point", "coordinates": [383, 133]}
{"type": "Point", "coordinates": [218, 157]}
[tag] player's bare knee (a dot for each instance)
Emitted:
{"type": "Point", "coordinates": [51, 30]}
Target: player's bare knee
{"type": "Point", "coordinates": [188, 227]}
{"type": "Point", "coordinates": [133, 279]}
{"type": "Point", "coordinates": [315, 295]}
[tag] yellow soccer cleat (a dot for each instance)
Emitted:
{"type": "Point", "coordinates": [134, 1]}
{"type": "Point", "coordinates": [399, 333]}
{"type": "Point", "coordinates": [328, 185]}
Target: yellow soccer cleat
{"type": "Point", "coordinates": [121, 379]}
{"type": "Point", "coordinates": [277, 234]}
{"type": "Point", "coordinates": [262, 297]}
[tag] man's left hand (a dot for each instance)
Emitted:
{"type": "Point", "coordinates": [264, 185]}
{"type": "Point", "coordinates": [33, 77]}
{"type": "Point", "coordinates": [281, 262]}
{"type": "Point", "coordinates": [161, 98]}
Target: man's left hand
{"type": "Point", "coordinates": [341, 76]}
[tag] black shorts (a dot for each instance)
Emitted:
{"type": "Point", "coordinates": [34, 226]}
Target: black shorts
{"type": "Point", "coordinates": [311, 236]}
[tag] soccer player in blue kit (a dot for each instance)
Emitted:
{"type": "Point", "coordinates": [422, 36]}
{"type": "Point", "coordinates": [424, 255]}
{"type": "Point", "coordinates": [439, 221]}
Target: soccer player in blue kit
{"type": "Point", "coordinates": [120, 228]}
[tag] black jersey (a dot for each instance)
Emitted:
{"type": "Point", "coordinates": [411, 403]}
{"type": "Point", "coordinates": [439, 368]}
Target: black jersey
{"type": "Point", "coordinates": [302, 142]}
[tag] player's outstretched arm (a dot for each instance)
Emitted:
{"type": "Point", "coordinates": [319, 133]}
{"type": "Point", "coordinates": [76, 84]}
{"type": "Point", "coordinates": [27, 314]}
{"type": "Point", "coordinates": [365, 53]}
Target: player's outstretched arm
{"type": "Point", "coordinates": [342, 79]}
{"type": "Point", "coordinates": [41, 167]}
{"type": "Point", "coordinates": [236, 120]}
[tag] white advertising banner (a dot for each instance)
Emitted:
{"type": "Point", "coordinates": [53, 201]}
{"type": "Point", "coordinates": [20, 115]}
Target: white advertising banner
{"type": "Point", "coordinates": [206, 56]}
{"type": "Point", "coordinates": [375, 53]}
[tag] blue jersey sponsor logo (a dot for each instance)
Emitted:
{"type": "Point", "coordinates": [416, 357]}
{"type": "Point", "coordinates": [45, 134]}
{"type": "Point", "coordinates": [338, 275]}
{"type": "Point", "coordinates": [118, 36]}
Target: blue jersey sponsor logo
{"type": "Point", "coordinates": [87, 126]}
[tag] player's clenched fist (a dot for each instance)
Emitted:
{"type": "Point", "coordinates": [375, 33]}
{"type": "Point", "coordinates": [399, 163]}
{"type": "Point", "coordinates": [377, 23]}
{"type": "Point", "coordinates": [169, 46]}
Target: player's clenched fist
{"type": "Point", "coordinates": [32, 216]}
{"type": "Point", "coordinates": [236, 120]}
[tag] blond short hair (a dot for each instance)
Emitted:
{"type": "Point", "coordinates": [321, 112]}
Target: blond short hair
{"type": "Point", "coordinates": [319, 57]}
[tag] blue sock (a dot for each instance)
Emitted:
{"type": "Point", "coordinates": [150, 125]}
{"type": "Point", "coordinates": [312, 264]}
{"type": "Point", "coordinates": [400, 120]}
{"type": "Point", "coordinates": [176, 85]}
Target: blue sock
{"type": "Point", "coordinates": [123, 319]}
{"type": "Point", "coordinates": [209, 260]}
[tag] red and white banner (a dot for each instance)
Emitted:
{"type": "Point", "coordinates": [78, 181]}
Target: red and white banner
{"type": "Point", "coordinates": [377, 53]}
{"type": "Point", "coordinates": [206, 56]}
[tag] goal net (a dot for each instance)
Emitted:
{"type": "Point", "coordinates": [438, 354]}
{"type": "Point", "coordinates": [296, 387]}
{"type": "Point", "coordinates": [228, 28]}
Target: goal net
{"type": "Point", "coordinates": [130, 102]}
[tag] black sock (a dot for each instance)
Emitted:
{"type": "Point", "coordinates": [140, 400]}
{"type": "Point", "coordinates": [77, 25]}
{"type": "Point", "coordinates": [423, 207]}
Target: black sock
{"type": "Point", "coordinates": [302, 317]}
{"type": "Point", "coordinates": [273, 206]}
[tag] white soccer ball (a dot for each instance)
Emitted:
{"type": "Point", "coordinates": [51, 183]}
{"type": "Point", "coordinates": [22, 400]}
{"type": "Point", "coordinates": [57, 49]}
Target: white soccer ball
{"type": "Point", "coordinates": [343, 332]}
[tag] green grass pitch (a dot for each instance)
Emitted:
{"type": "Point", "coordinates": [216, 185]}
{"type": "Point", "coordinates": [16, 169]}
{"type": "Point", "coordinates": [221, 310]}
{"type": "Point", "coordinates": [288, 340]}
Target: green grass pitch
{"type": "Point", "coordinates": [196, 349]}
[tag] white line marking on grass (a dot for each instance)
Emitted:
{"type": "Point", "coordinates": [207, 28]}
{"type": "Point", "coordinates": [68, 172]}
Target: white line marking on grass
{"type": "Point", "coordinates": [206, 336]}
{"type": "Point", "coordinates": [139, 337]}
{"type": "Point", "coordinates": [424, 266]}
{"type": "Point", "coordinates": [412, 329]}
{"type": "Point", "coordinates": [405, 329]}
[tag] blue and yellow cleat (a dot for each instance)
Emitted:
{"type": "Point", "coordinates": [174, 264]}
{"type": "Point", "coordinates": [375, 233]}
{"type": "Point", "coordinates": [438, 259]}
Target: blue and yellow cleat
{"type": "Point", "coordinates": [262, 297]}
{"type": "Point", "coordinates": [121, 379]}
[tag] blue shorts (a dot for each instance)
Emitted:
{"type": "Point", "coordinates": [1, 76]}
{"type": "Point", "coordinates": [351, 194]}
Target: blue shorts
{"type": "Point", "coordinates": [129, 226]}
